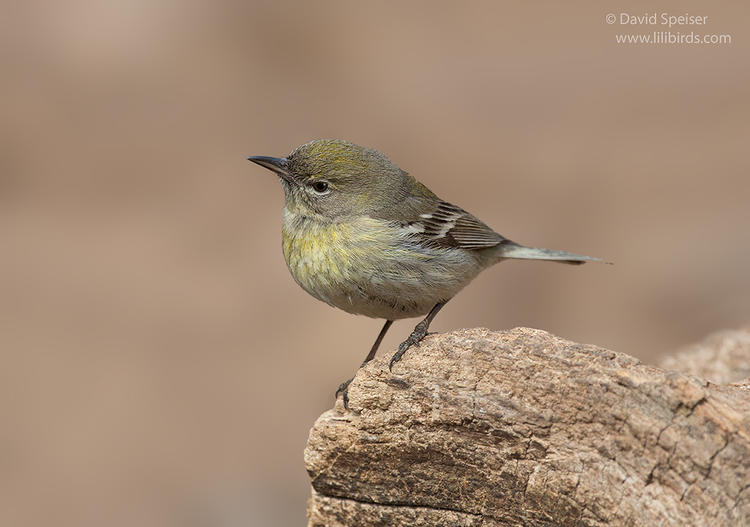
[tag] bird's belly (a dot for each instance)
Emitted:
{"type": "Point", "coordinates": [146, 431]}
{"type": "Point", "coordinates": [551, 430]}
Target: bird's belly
{"type": "Point", "coordinates": [363, 271]}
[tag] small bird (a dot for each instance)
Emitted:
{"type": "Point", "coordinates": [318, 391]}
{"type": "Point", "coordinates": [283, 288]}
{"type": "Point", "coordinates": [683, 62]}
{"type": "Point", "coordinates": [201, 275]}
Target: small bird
{"type": "Point", "coordinates": [364, 236]}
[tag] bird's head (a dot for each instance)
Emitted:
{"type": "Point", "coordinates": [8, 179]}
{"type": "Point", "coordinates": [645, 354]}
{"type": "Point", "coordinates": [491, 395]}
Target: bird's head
{"type": "Point", "coordinates": [335, 179]}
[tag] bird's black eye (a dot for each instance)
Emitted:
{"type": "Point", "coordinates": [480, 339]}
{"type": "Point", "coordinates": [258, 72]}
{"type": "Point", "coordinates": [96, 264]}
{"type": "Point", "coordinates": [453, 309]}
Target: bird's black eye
{"type": "Point", "coordinates": [321, 187]}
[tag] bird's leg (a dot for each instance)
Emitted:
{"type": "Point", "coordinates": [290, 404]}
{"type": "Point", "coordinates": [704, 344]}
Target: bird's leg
{"type": "Point", "coordinates": [418, 334]}
{"type": "Point", "coordinates": [344, 386]}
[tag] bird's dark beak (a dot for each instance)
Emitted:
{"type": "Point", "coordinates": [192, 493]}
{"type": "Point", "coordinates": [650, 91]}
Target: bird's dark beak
{"type": "Point", "coordinates": [274, 164]}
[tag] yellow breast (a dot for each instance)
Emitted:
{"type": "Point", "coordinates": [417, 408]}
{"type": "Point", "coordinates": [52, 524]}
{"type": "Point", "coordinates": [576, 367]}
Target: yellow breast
{"type": "Point", "coordinates": [325, 258]}
{"type": "Point", "coordinates": [364, 266]}
{"type": "Point", "coordinates": [314, 249]}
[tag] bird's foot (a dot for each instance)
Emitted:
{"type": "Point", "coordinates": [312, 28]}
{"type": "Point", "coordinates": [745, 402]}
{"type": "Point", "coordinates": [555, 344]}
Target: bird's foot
{"type": "Point", "coordinates": [343, 389]}
{"type": "Point", "coordinates": [420, 332]}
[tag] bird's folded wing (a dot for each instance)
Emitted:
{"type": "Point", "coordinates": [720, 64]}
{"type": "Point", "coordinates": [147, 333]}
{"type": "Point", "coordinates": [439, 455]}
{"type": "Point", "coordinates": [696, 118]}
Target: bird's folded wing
{"type": "Point", "coordinates": [448, 226]}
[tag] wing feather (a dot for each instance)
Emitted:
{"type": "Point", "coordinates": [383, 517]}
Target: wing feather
{"type": "Point", "coordinates": [450, 226]}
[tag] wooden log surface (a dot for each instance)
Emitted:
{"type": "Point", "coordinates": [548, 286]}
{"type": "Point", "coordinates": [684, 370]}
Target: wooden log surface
{"type": "Point", "coordinates": [519, 427]}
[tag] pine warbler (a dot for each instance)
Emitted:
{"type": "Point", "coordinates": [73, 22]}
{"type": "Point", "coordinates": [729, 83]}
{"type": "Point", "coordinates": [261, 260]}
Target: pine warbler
{"type": "Point", "coordinates": [364, 236]}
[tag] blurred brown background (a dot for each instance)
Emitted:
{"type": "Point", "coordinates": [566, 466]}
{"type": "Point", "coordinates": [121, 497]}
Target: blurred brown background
{"type": "Point", "coordinates": [160, 367]}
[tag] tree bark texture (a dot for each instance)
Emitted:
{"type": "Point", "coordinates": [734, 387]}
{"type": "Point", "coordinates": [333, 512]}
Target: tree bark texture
{"type": "Point", "coordinates": [521, 428]}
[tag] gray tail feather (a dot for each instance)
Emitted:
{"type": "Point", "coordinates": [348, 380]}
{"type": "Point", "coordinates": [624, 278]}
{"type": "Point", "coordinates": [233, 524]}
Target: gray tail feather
{"type": "Point", "coordinates": [513, 250]}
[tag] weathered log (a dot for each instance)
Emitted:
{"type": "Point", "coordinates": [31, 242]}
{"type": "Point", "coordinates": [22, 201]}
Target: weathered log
{"type": "Point", "coordinates": [722, 357]}
{"type": "Point", "coordinates": [520, 427]}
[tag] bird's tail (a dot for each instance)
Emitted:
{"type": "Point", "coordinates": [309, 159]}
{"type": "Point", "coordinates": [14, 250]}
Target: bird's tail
{"type": "Point", "coordinates": [510, 249]}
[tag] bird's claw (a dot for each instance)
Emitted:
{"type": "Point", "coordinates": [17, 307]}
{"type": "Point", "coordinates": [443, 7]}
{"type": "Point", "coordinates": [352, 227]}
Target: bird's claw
{"type": "Point", "coordinates": [343, 389]}
{"type": "Point", "coordinates": [413, 340]}
{"type": "Point", "coordinates": [396, 357]}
